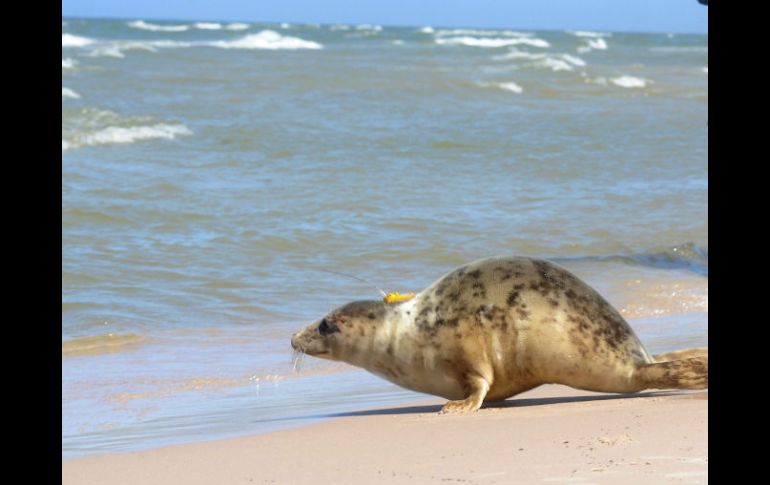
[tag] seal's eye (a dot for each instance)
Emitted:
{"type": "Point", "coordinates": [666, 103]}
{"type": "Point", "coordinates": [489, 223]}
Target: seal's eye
{"type": "Point", "coordinates": [326, 327]}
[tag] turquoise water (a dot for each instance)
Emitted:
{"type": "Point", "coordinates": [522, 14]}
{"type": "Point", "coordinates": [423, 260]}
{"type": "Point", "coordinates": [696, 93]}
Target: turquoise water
{"type": "Point", "coordinates": [212, 175]}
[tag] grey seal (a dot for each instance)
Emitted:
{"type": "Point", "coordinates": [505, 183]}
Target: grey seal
{"type": "Point", "coordinates": [495, 328]}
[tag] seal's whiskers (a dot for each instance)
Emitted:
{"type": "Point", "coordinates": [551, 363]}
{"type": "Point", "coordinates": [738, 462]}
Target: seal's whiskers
{"type": "Point", "coordinates": [296, 360]}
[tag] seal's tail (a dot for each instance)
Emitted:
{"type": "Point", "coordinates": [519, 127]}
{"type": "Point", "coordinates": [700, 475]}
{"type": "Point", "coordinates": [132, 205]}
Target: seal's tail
{"type": "Point", "coordinates": [682, 354]}
{"type": "Point", "coordinates": [681, 372]}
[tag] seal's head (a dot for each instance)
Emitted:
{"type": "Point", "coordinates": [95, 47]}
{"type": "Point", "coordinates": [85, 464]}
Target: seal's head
{"type": "Point", "coordinates": [344, 334]}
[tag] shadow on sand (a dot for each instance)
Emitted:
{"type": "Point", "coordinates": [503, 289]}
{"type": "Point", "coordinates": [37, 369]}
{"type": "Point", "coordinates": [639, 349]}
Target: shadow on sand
{"type": "Point", "coordinates": [511, 403]}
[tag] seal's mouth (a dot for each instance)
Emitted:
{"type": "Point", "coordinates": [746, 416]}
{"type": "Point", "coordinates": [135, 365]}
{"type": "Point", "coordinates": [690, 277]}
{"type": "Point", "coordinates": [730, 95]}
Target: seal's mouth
{"type": "Point", "coordinates": [300, 348]}
{"type": "Point", "coordinates": [316, 354]}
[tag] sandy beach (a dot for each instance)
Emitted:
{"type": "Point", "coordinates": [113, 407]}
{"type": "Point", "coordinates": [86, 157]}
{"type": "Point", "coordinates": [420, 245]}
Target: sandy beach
{"type": "Point", "coordinates": [552, 434]}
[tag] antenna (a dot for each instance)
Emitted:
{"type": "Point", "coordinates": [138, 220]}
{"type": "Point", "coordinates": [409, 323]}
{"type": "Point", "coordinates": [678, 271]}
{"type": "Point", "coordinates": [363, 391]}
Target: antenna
{"type": "Point", "coordinates": [384, 295]}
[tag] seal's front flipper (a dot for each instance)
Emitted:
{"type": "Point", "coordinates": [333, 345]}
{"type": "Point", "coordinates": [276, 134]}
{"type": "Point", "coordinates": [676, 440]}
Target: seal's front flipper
{"type": "Point", "coordinates": [692, 373]}
{"type": "Point", "coordinates": [479, 388]}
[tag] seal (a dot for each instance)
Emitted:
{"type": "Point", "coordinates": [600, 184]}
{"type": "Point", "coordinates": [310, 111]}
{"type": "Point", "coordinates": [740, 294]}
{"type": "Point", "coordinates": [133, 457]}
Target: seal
{"type": "Point", "coordinates": [495, 328]}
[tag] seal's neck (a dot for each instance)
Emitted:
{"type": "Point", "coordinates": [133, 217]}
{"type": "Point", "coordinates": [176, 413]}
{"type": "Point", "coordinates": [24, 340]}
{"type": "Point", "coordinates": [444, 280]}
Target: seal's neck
{"type": "Point", "coordinates": [388, 336]}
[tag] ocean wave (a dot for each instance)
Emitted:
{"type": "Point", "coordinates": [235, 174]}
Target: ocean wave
{"type": "Point", "coordinates": [587, 33]}
{"type": "Point", "coordinates": [599, 44]}
{"type": "Point", "coordinates": [116, 134]}
{"type": "Point", "coordinates": [68, 93]}
{"type": "Point", "coordinates": [117, 49]}
{"type": "Point", "coordinates": [100, 344]}
{"type": "Point", "coordinates": [141, 24]}
{"type": "Point", "coordinates": [511, 86]}
{"type": "Point", "coordinates": [506, 86]}
{"type": "Point", "coordinates": [576, 61]}
{"type": "Point", "coordinates": [339, 27]}
{"type": "Point", "coordinates": [681, 49]}
{"type": "Point", "coordinates": [492, 41]}
{"type": "Point", "coordinates": [629, 82]}
{"type": "Point", "coordinates": [481, 33]}
{"type": "Point", "coordinates": [208, 25]}
{"type": "Point", "coordinates": [267, 39]}
{"type": "Point", "coordinates": [107, 51]}
{"type": "Point", "coordinates": [687, 256]}
{"type": "Point", "coordinates": [426, 30]}
{"type": "Point", "coordinates": [517, 54]}
{"type": "Point", "coordinates": [121, 134]}
{"type": "Point", "coordinates": [69, 40]}
{"type": "Point", "coordinates": [237, 26]}
{"type": "Point", "coordinates": [285, 25]}
{"type": "Point", "coordinates": [591, 44]}
{"type": "Point", "coordinates": [68, 63]}
{"type": "Point", "coordinates": [555, 64]}
{"type": "Point", "coordinates": [376, 28]}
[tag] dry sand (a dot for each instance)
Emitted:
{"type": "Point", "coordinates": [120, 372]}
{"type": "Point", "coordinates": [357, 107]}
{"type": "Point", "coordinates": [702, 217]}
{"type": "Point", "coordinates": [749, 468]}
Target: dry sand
{"type": "Point", "coordinates": [552, 434]}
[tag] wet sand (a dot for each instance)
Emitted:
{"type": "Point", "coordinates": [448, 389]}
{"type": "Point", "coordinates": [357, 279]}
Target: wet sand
{"type": "Point", "coordinates": [552, 434]}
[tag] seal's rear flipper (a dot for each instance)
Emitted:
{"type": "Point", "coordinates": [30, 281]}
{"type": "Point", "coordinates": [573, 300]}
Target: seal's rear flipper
{"type": "Point", "coordinates": [682, 354]}
{"type": "Point", "coordinates": [692, 373]}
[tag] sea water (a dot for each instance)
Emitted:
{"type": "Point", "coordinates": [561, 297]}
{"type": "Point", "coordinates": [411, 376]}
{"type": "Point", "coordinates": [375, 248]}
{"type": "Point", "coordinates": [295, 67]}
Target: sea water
{"type": "Point", "coordinates": [216, 176]}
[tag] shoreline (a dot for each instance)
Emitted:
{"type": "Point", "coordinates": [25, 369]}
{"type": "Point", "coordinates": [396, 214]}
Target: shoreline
{"type": "Point", "coordinates": [551, 434]}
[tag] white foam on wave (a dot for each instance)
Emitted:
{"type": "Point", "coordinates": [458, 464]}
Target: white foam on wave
{"type": "Point", "coordinates": [681, 49]}
{"type": "Point", "coordinates": [587, 33]}
{"type": "Point", "coordinates": [338, 27]}
{"type": "Point", "coordinates": [237, 26]}
{"type": "Point", "coordinates": [555, 64]}
{"type": "Point", "coordinates": [398, 42]}
{"type": "Point", "coordinates": [285, 26]}
{"type": "Point", "coordinates": [591, 44]}
{"type": "Point", "coordinates": [482, 33]}
{"type": "Point", "coordinates": [68, 93]}
{"type": "Point", "coordinates": [599, 44]}
{"type": "Point", "coordinates": [141, 24]}
{"type": "Point", "coordinates": [108, 51]}
{"type": "Point", "coordinates": [517, 54]}
{"type": "Point", "coordinates": [506, 86]}
{"type": "Point", "coordinates": [68, 63]}
{"type": "Point", "coordinates": [427, 30]}
{"type": "Point", "coordinates": [629, 82]}
{"type": "Point", "coordinates": [376, 28]}
{"type": "Point", "coordinates": [116, 49]}
{"type": "Point", "coordinates": [576, 61]}
{"type": "Point", "coordinates": [492, 42]}
{"type": "Point", "coordinates": [511, 86]}
{"type": "Point", "coordinates": [131, 134]}
{"type": "Point", "coordinates": [266, 39]}
{"type": "Point", "coordinates": [69, 40]}
{"type": "Point", "coordinates": [208, 25]}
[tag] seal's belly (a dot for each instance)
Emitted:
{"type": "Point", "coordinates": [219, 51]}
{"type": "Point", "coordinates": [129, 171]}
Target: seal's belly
{"type": "Point", "coordinates": [432, 379]}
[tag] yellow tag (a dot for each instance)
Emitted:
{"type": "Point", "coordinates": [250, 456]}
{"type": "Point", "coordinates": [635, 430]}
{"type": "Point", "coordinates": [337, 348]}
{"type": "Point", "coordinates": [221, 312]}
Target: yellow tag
{"type": "Point", "coordinates": [396, 297]}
